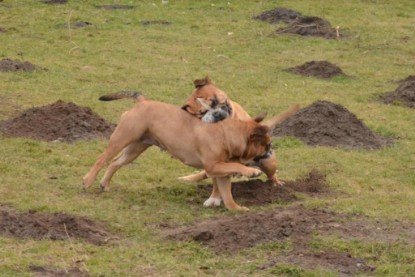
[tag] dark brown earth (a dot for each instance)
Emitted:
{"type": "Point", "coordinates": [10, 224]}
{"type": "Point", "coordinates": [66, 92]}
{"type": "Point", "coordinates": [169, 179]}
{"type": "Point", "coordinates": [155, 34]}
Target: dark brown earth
{"type": "Point", "coordinates": [403, 95]}
{"type": "Point", "coordinates": [299, 225]}
{"type": "Point", "coordinates": [55, 1]}
{"type": "Point", "coordinates": [311, 26]}
{"type": "Point", "coordinates": [155, 22]}
{"type": "Point", "coordinates": [319, 69]}
{"type": "Point", "coordinates": [115, 7]}
{"type": "Point", "coordinates": [278, 15]}
{"type": "Point", "coordinates": [327, 124]}
{"type": "Point", "coordinates": [41, 271]}
{"type": "Point", "coordinates": [57, 226]}
{"type": "Point", "coordinates": [8, 64]}
{"type": "Point", "coordinates": [78, 24]}
{"type": "Point", "coordinates": [256, 192]}
{"type": "Point", "coordinates": [59, 121]}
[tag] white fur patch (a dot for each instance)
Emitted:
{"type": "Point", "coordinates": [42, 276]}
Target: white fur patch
{"type": "Point", "coordinates": [212, 201]}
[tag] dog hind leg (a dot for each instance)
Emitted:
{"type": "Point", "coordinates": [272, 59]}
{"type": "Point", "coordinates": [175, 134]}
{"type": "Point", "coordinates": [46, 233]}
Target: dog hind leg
{"type": "Point", "coordinates": [129, 154]}
{"type": "Point", "coordinates": [197, 177]}
{"type": "Point", "coordinates": [215, 197]}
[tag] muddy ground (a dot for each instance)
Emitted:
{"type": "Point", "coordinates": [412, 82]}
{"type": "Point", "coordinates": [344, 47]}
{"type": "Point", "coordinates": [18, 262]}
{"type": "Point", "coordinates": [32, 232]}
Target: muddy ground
{"type": "Point", "coordinates": [8, 64]}
{"type": "Point", "coordinates": [256, 192]}
{"type": "Point", "coordinates": [59, 121]}
{"type": "Point", "coordinates": [299, 24]}
{"type": "Point", "coordinates": [403, 95]}
{"type": "Point", "coordinates": [298, 225]}
{"type": "Point", "coordinates": [319, 69]}
{"type": "Point", "coordinates": [324, 123]}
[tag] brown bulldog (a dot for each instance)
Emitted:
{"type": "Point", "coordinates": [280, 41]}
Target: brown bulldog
{"type": "Point", "coordinates": [220, 149]}
{"type": "Point", "coordinates": [211, 104]}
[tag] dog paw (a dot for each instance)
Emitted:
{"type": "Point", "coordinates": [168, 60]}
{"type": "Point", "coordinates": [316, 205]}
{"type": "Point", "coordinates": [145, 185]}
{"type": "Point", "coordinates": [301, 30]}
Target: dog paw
{"type": "Point", "coordinates": [253, 172]}
{"type": "Point", "coordinates": [212, 202]}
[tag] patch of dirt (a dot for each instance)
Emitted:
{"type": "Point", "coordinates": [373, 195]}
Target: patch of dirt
{"type": "Point", "coordinates": [8, 64]}
{"type": "Point", "coordinates": [232, 233]}
{"type": "Point", "coordinates": [78, 24]}
{"type": "Point", "coordinates": [278, 15]}
{"type": "Point", "coordinates": [327, 124]}
{"type": "Point", "coordinates": [59, 121]}
{"type": "Point", "coordinates": [41, 271]}
{"type": "Point", "coordinates": [115, 7]}
{"type": "Point", "coordinates": [344, 263]}
{"type": "Point", "coordinates": [155, 22]}
{"type": "Point", "coordinates": [56, 226]}
{"type": "Point", "coordinates": [404, 94]}
{"type": "Point", "coordinates": [319, 69]}
{"type": "Point", "coordinates": [256, 192]}
{"type": "Point", "coordinates": [311, 26]}
{"type": "Point", "coordinates": [3, 30]}
{"type": "Point", "coordinates": [55, 1]}
{"type": "Point", "coordinates": [407, 79]}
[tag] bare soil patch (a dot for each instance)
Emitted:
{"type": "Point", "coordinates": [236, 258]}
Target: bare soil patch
{"type": "Point", "coordinates": [41, 271]}
{"type": "Point", "coordinates": [327, 124]}
{"type": "Point", "coordinates": [403, 95]}
{"type": "Point", "coordinates": [55, 1]}
{"type": "Point", "coordinates": [236, 232]}
{"type": "Point", "coordinates": [59, 121]}
{"type": "Point", "coordinates": [278, 15]}
{"type": "Point", "coordinates": [115, 7]}
{"type": "Point", "coordinates": [57, 226]}
{"type": "Point", "coordinates": [8, 64]}
{"type": "Point", "coordinates": [311, 26]}
{"type": "Point", "coordinates": [256, 192]}
{"type": "Point", "coordinates": [155, 22]}
{"type": "Point", "coordinates": [319, 69]}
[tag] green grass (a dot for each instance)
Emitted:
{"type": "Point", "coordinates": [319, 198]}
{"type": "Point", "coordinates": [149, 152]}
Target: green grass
{"type": "Point", "coordinates": [219, 39]}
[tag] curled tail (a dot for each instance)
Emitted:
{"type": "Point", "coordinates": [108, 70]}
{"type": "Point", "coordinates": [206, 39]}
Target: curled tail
{"type": "Point", "coordinates": [122, 94]}
{"type": "Point", "coordinates": [274, 121]}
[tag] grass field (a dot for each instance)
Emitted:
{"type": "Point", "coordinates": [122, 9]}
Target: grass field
{"type": "Point", "coordinates": [219, 39]}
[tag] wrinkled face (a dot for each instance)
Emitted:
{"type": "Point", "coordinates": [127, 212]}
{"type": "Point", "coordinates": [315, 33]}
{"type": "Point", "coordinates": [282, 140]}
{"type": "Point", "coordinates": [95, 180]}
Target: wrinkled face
{"type": "Point", "coordinates": [208, 103]}
{"type": "Point", "coordinates": [259, 143]}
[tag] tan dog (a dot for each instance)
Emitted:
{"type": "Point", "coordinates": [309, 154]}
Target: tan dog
{"type": "Point", "coordinates": [211, 104]}
{"type": "Point", "coordinates": [220, 149]}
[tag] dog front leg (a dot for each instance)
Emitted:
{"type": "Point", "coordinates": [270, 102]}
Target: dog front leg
{"type": "Point", "coordinates": [225, 188]}
{"type": "Point", "coordinates": [269, 167]}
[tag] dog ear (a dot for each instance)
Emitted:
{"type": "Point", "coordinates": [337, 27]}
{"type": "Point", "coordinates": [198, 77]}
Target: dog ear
{"type": "Point", "coordinates": [260, 117]}
{"type": "Point", "coordinates": [202, 82]}
{"type": "Point", "coordinates": [259, 133]}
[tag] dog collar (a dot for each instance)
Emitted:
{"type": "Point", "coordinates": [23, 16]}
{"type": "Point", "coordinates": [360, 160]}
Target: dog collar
{"type": "Point", "coordinates": [265, 156]}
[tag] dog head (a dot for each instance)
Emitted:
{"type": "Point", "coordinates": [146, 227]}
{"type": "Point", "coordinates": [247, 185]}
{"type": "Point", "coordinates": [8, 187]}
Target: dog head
{"type": "Point", "coordinates": [208, 102]}
{"type": "Point", "coordinates": [259, 140]}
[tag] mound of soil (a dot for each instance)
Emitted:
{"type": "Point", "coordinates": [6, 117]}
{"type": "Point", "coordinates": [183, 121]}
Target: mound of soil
{"type": "Point", "coordinates": [319, 69]}
{"type": "Point", "coordinates": [41, 271]}
{"type": "Point", "coordinates": [78, 24]}
{"type": "Point", "coordinates": [404, 94]}
{"type": "Point", "coordinates": [7, 64]}
{"type": "Point", "coordinates": [115, 7]}
{"type": "Point", "coordinates": [57, 226]}
{"type": "Point", "coordinates": [407, 79]}
{"type": "Point", "coordinates": [256, 192]}
{"type": "Point", "coordinates": [327, 124]}
{"type": "Point", "coordinates": [232, 233]}
{"type": "Point", "coordinates": [311, 26]}
{"type": "Point", "coordinates": [55, 1]}
{"type": "Point", "coordinates": [58, 121]}
{"type": "Point", "coordinates": [155, 22]}
{"type": "Point", "coordinates": [278, 15]}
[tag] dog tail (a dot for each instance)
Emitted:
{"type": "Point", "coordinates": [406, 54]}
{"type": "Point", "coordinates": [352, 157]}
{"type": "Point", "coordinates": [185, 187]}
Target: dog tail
{"type": "Point", "coordinates": [273, 122]}
{"type": "Point", "coordinates": [122, 94]}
